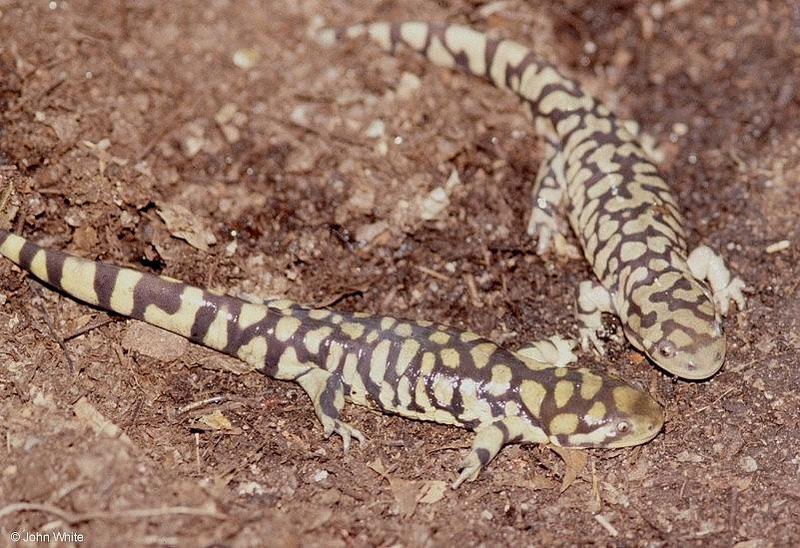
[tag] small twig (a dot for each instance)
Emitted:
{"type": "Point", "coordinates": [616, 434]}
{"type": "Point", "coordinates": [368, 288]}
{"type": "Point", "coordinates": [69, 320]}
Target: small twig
{"type": "Point", "coordinates": [432, 273]}
{"type": "Point", "coordinates": [448, 448]}
{"type": "Point", "coordinates": [194, 405]}
{"type": "Point", "coordinates": [51, 328]}
{"type": "Point", "coordinates": [138, 513]}
{"type": "Point", "coordinates": [473, 290]}
{"type": "Point", "coordinates": [325, 136]}
{"type": "Point", "coordinates": [701, 409]}
{"type": "Point", "coordinates": [91, 327]}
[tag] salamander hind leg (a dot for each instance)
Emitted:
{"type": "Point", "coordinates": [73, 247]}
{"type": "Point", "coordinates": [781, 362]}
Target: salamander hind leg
{"type": "Point", "coordinates": [327, 394]}
{"type": "Point", "coordinates": [705, 264]}
{"type": "Point", "coordinates": [593, 300]}
{"type": "Point", "coordinates": [490, 438]}
{"type": "Point", "coordinates": [548, 193]}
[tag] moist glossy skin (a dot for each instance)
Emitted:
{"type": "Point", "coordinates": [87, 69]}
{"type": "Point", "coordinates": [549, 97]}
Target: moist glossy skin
{"type": "Point", "coordinates": [620, 208]}
{"type": "Point", "coordinates": [412, 368]}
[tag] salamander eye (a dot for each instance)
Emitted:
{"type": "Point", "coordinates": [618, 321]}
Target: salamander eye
{"type": "Point", "coordinates": [623, 427]}
{"type": "Point", "coordinates": [666, 349]}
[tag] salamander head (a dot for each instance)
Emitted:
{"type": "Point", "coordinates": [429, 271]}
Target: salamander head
{"type": "Point", "coordinates": [602, 412]}
{"type": "Point", "coordinates": [679, 329]}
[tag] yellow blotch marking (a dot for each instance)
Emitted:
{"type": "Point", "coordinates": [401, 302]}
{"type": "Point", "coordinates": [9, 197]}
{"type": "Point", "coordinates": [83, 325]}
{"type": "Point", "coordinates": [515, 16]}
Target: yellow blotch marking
{"type": "Point", "coordinates": [358, 392]}
{"type": "Point", "coordinates": [361, 315]}
{"type": "Point", "coordinates": [562, 372]}
{"type": "Point", "coordinates": [372, 337]}
{"type": "Point", "coordinates": [443, 390]}
{"type": "Point", "coordinates": [352, 330]}
{"type": "Point", "coordinates": [568, 124]}
{"type": "Point", "coordinates": [472, 43]}
{"type": "Point", "coordinates": [249, 315]}
{"type": "Point", "coordinates": [631, 251]}
{"type": "Point", "coordinates": [12, 246]}
{"type": "Point", "coordinates": [404, 392]}
{"type": "Point", "coordinates": [386, 395]}
{"type": "Point", "coordinates": [387, 323]}
{"type": "Point", "coordinates": [596, 413]}
{"type": "Point", "coordinates": [421, 396]}
{"type": "Point", "coordinates": [216, 336]}
{"type": "Point", "coordinates": [77, 279]}
{"type": "Point", "coordinates": [532, 394]}
{"type": "Point", "coordinates": [122, 293]}
{"type": "Point", "coordinates": [414, 34]}
{"type": "Point", "coordinates": [286, 327]}
{"type": "Point", "coordinates": [280, 304]}
{"type": "Point", "coordinates": [590, 385]}
{"type": "Point", "coordinates": [439, 337]}
{"type": "Point", "coordinates": [407, 353]}
{"type": "Point", "coordinates": [314, 338]}
{"type": "Point", "coordinates": [181, 322]}
{"type": "Point", "coordinates": [428, 361]}
{"type": "Point", "coordinates": [511, 409]}
{"type": "Point", "coordinates": [377, 364]}
{"type": "Point", "coordinates": [563, 423]}
{"type": "Point", "coordinates": [469, 336]}
{"type": "Point", "coordinates": [289, 367]}
{"type": "Point", "coordinates": [336, 318]}
{"type": "Point", "coordinates": [450, 357]}
{"type": "Point", "coordinates": [318, 314]}
{"type": "Point", "coordinates": [424, 323]}
{"type": "Point", "coordinates": [254, 352]}
{"type": "Point", "coordinates": [438, 54]}
{"type": "Point", "coordinates": [563, 101]}
{"type": "Point", "coordinates": [508, 53]}
{"type": "Point", "coordinates": [481, 353]}
{"type": "Point", "coordinates": [403, 330]}
{"type": "Point", "coordinates": [474, 408]}
{"type": "Point", "coordinates": [627, 399]}
{"type": "Point", "coordinates": [442, 417]}
{"type": "Point", "coordinates": [563, 392]}
{"type": "Point", "coordinates": [501, 380]}
{"type": "Point", "coordinates": [335, 355]}
{"type": "Point", "coordinates": [39, 265]}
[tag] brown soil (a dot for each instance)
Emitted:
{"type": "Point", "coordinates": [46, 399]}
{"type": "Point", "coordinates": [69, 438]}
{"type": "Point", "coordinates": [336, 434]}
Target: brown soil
{"type": "Point", "coordinates": [302, 202]}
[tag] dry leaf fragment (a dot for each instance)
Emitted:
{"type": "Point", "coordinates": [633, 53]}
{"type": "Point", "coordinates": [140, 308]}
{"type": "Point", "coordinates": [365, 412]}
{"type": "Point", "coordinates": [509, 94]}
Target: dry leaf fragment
{"type": "Point", "coordinates": [185, 225]}
{"type": "Point", "coordinates": [154, 342]}
{"type": "Point", "coordinates": [408, 493]}
{"type": "Point", "coordinates": [216, 420]}
{"type": "Point", "coordinates": [89, 415]}
{"type": "Point", "coordinates": [433, 492]}
{"type": "Point", "coordinates": [574, 463]}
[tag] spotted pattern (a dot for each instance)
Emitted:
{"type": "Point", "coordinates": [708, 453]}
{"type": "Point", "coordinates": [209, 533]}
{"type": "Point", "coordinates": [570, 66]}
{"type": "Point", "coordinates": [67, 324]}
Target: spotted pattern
{"type": "Point", "coordinates": [622, 211]}
{"type": "Point", "coordinates": [415, 369]}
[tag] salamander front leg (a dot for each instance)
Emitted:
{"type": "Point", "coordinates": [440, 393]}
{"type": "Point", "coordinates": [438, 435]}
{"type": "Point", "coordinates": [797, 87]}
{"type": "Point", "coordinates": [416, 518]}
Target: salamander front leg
{"type": "Point", "coordinates": [490, 438]}
{"type": "Point", "coordinates": [705, 264]}
{"type": "Point", "coordinates": [593, 300]}
{"type": "Point", "coordinates": [327, 395]}
{"type": "Point", "coordinates": [548, 194]}
{"type": "Point", "coordinates": [555, 351]}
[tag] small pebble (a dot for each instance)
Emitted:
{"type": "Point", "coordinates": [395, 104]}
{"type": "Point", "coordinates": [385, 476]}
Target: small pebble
{"type": "Point", "coordinates": [320, 475]}
{"type": "Point", "coordinates": [251, 488]}
{"type": "Point", "coordinates": [434, 203]}
{"type": "Point", "coordinates": [487, 515]}
{"type": "Point", "coordinates": [245, 58]}
{"type": "Point", "coordinates": [376, 129]}
{"type": "Point", "coordinates": [749, 464]}
{"type": "Point", "coordinates": [778, 246]}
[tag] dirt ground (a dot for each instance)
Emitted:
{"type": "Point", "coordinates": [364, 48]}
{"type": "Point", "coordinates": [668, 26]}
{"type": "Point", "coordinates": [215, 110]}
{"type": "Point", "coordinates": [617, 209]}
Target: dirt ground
{"type": "Point", "coordinates": [215, 143]}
